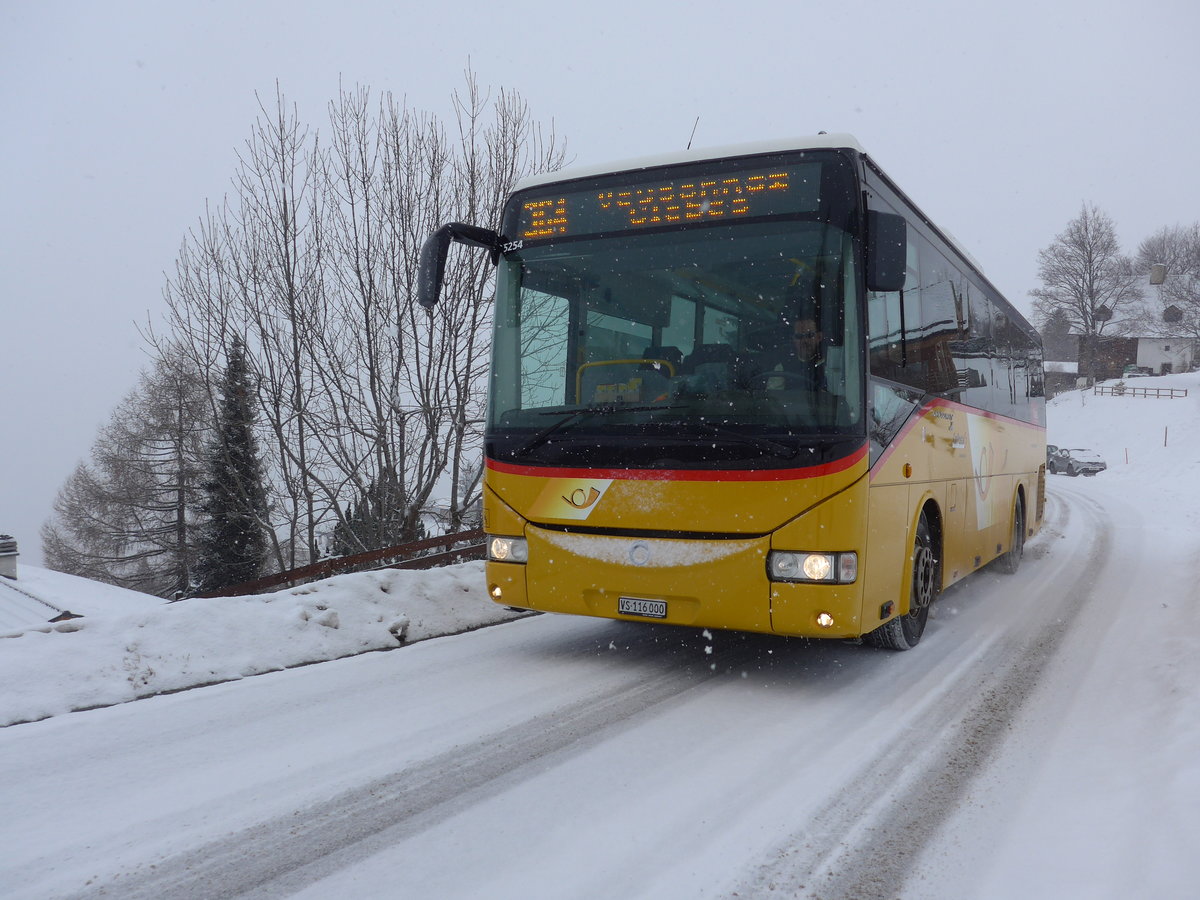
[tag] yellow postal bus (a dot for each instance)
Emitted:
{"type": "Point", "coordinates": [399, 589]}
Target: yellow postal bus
{"type": "Point", "coordinates": [752, 388]}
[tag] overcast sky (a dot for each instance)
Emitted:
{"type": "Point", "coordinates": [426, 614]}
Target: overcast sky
{"type": "Point", "coordinates": [121, 119]}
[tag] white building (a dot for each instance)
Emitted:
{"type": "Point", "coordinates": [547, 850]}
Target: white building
{"type": "Point", "coordinates": [1165, 355]}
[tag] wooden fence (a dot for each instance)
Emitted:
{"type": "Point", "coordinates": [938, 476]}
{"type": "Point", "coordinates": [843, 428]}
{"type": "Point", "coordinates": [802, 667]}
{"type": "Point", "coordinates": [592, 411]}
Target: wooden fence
{"type": "Point", "coordinates": [402, 556]}
{"type": "Point", "coordinates": [1114, 391]}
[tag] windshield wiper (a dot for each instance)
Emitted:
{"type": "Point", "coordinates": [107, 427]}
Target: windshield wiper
{"type": "Point", "coordinates": [775, 448]}
{"type": "Point", "coordinates": [576, 415]}
{"type": "Point", "coordinates": [767, 445]}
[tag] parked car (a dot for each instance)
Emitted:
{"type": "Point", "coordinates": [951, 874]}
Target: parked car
{"type": "Point", "coordinates": [1074, 461]}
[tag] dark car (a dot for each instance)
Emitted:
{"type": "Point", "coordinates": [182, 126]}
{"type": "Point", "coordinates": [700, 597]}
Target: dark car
{"type": "Point", "coordinates": [1074, 461]}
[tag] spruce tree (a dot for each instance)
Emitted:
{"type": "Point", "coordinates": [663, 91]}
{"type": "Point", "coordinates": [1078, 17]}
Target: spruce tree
{"type": "Point", "coordinates": [377, 519]}
{"type": "Point", "coordinates": [233, 543]}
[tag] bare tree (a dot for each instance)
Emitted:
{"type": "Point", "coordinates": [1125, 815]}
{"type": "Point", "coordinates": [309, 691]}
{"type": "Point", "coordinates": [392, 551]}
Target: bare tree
{"type": "Point", "coordinates": [491, 157]}
{"type": "Point", "coordinates": [129, 516]}
{"type": "Point", "coordinates": [312, 262]}
{"type": "Point", "coordinates": [406, 390]}
{"type": "Point", "coordinates": [1088, 283]}
{"type": "Point", "coordinates": [1085, 277]}
{"type": "Point", "coordinates": [206, 310]}
{"type": "Point", "coordinates": [276, 258]}
{"type": "Point", "coordinates": [1178, 307]}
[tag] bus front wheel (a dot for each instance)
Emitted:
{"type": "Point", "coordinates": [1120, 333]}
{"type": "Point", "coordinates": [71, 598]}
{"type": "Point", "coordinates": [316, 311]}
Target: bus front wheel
{"type": "Point", "coordinates": [904, 632]}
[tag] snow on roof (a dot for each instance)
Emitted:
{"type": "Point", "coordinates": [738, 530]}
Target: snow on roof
{"type": "Point", "coordinates": [38, 595]}
{"type": "Point", "coordinates": [730, 151]}
{"type": "Point", "coordinates": [20, 609]}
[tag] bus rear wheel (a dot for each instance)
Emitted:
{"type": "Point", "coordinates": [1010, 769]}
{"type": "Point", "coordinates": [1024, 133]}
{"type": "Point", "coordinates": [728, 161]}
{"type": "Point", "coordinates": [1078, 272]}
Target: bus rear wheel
{"type": "Point", "coordinates": [904, 632]}
{"type": "Point", "coordinates": [1011, 561]}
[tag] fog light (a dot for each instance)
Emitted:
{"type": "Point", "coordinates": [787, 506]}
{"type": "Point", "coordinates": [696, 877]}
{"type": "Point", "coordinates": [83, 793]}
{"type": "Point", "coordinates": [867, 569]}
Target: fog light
{"type": "Point", "coordinates": [508, 549]}
{"type": "Point", "coordinates": [825, 620]}
{"type": "Point", "coordinates": [496, 592]}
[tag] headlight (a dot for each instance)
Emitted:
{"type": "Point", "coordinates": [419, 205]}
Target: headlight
{"type": "Point", "coordinates": [818, 568]}
{"type": "Point", "coordinates": [508, 549]}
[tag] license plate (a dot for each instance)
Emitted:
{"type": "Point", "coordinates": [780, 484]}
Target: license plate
{"type": "Point", "coordinates": [634, 606]}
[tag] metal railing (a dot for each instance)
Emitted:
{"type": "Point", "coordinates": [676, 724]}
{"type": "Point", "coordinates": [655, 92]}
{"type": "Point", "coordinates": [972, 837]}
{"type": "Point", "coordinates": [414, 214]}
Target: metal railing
{"type": "Point", "coordinates": [401, 556]}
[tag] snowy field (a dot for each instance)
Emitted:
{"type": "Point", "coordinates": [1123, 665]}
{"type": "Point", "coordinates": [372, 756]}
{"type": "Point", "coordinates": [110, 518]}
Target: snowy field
{"type": "Point", "coordinates": [1043, 741]}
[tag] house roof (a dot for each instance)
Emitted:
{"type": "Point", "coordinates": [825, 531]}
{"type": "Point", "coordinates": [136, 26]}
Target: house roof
{"type": "Point", "coordinates": [21, 610]}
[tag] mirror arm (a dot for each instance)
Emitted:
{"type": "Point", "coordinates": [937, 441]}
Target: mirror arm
{"type": "Point", "coordinates": [431, 270]}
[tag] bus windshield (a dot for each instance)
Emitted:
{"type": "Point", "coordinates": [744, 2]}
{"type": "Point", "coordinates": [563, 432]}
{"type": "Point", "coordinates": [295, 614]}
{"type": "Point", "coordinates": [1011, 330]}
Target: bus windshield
{"type": "Point", "coordinates": [718, 345]}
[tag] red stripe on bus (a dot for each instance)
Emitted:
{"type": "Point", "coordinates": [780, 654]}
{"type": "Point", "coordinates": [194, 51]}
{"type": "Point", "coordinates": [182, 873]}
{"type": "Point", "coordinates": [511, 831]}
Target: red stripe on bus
{"type": "Point", "coordinates": [830, 468]}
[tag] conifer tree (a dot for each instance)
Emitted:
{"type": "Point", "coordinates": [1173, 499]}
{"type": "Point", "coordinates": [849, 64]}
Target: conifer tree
{"type": "Point", "coordinates": [233, 543]}
{"type": "Point", "coordinates": [377, 519]}
{"type": "Point", "coordinates": [130, 515]}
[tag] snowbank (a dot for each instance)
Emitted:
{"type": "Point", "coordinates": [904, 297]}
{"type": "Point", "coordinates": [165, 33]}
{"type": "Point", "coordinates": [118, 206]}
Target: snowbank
{"type": "Point", "coordinates": [129, 645]}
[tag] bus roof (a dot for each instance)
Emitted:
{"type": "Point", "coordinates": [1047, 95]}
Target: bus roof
{"type": "Point", "coordinates": [732, 151]}
{"type": "Point", "coordinates": [814, 142]}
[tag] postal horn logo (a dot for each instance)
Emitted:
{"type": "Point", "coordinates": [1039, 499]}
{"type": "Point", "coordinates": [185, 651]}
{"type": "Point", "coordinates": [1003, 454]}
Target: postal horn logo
{"type": "Point", "coordinates": [581, 499]}
{"type": "Point", "coordinates": [569, 498]}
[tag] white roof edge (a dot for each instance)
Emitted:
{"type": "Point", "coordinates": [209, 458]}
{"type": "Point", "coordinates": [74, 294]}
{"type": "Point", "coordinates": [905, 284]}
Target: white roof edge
{"type": "Point", "coordinates": [730, 151]}
{"type": "Point", "coordinates": [958, 245]}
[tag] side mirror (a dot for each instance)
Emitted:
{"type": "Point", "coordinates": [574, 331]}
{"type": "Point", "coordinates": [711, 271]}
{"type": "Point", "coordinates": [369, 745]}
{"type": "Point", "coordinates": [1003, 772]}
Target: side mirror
{"type": "Point", "coordinates": [887, 251]}
{"type": "Point", "coordinates": [431, 269]}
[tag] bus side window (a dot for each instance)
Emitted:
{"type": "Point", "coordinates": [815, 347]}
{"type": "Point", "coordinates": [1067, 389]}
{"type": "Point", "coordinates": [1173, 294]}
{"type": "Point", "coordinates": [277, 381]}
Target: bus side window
{"type": "Point", "coordinates": [890, 408]}
{"type": "Point", "coordinates": [889, 330]}
{"type": "Point", "coordinates": [884, 336]}
{"type": "Point", "coordinates": [932, 324]}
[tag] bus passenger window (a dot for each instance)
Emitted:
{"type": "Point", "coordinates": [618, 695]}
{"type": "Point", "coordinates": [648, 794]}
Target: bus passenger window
{"type": "Point", "coordinates": [884, 335]}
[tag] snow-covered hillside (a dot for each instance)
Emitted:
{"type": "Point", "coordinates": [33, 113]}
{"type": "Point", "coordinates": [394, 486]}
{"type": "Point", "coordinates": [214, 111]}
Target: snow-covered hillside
{"type": "Point", "coordinates": [1151, 444]}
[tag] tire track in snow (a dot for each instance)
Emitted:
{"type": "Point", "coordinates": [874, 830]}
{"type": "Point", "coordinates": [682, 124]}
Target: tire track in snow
{"type": "Point", "coordinates": [281, 856]}
{"type": "Point", "coordinates": [864, 843]}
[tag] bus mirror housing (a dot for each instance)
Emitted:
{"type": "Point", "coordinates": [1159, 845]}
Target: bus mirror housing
{"type": "Point", "coordinates": [432, 267]}
{"type": "Point", "coordinates": [887, 251]}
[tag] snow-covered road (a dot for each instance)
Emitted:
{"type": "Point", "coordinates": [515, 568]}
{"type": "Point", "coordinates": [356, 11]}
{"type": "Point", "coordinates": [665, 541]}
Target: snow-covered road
{"type": "Point", "coordinates": [564, 757]}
